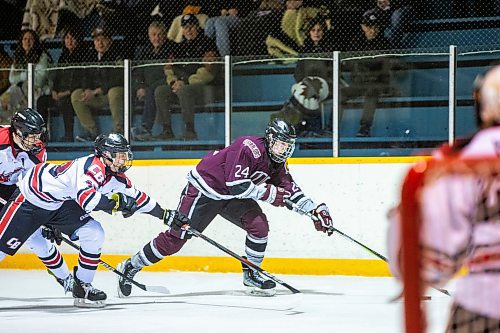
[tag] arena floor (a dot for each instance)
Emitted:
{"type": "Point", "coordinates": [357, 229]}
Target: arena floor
{"type": "Point", "coordinates": [31, 302]}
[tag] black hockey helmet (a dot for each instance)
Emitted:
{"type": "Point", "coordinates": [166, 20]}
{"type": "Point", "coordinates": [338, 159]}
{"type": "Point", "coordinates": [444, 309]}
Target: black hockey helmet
{"type": "Point", "coordinates": [30, 129]}
{"type": "Point", "coordinates": [280, 140]}
{"type": "Point", "coordinates": [116, 149]}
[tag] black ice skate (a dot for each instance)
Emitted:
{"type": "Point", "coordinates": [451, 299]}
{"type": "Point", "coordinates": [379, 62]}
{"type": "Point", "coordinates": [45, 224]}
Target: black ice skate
{"type": "Point", "coordinates": [86, 296]}
{"type": "Point", "coordinates": [124, 285]}
{"type": "Point", "coordinates": [256, 284]}
{"type": "Point", "coordinates": [66, 283]}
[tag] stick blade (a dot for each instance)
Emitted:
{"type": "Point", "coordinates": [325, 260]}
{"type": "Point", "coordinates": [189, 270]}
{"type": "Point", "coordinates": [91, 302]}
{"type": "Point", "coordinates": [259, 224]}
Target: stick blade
{"type": "Point", "coordinates": [158, 289]}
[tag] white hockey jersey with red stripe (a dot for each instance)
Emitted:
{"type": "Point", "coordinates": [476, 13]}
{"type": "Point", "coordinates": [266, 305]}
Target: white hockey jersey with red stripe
{"type": "Point", "coordinates": [83, 180]}
{"type": "Point", "coordinates": [461, 226]}
{"type": "Point", "coordinates": [14, 162]}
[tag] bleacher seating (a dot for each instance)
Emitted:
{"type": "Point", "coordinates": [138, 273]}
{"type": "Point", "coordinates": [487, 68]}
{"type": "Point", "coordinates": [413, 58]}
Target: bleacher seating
{"type": "Point", "coordinates": [416, 117]}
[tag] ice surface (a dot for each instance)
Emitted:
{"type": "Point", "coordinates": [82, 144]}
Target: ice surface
{"type": "Point", "coordinates": [32, 302]}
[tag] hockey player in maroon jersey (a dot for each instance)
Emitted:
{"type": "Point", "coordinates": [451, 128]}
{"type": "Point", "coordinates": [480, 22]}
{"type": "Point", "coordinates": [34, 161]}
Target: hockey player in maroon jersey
{"type": "Point", "coordinates": [22, 146]}
{"type": "Point", "coordinates": [229, 183]}
{"type": "Point", "coordinates": [62, 196]}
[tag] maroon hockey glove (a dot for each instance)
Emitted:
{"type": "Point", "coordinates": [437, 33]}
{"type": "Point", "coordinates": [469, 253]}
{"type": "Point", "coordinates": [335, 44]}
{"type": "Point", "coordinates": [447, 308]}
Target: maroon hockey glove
{"type": "Point", "coordinates": [323, 221]}
{"type": "Point", "coordinates": [174, 219]}
{"type": "Point", "coordinates": [52, 234]}
{"type": "Point", "coordinates": [275, 195]}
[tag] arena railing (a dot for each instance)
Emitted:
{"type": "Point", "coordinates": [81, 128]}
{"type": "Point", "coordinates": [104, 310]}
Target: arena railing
{"type": "Point", "coordinates": [415, 112]}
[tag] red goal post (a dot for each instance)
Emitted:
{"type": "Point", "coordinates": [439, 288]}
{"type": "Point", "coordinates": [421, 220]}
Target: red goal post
{"type": "Point", "coordinates": [421, 176]}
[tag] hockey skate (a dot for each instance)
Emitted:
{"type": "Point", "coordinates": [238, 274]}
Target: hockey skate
{"type": "Point", "coordinates": [256, 284]}
{"type": "Point", "coordinates": [124, 285]}
{"type": "Point", "coordinates": [85, 295]}
{"type": "Point", "coordinates": [66, 283]}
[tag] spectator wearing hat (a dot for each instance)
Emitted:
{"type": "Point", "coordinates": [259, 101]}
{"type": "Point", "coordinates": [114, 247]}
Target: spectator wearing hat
{"type": "Point", "coordinates": [369, 77]}
{"type": "Point", "coordinates": [101, 87]}
{"type": "Point", "coordinates": [393, 17]}
{"type": "Point", "coordinates": [192, 7]}
{"type": "Point", "coordinates": [190, 83]}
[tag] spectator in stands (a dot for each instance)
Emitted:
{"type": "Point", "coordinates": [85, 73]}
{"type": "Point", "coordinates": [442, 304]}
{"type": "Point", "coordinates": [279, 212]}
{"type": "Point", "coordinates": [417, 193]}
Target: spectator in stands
{"type": "Point", "coordinates": [101, 87]}
{"type": "Point", "coordinates": [192, 83]}
{"type": "Point", "coordinates": [262, 20]}
{"type": "Point", "coordinates": [393, 17]}
{"type": "Point", "coordinates": [219, 27]}
{"type": "Point", "coordinates": [28, 50]}
{"type": "Point", "coordinates": [369, 77]}
{"type": "Point", "coordinates": [315, 42]}
{"type": "Point", "coordinates": [192, 7]}
{"type": "Point", "coordinates": [147, 79]}
{"type": "Point", "coordinates": [294, 30]}
{"type": "Point", "coordinates": [65, 81]}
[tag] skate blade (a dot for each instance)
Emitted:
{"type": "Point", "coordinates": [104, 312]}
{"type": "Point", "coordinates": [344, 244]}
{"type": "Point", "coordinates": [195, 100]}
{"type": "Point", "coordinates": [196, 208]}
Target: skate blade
{"type": "Point", "coordinates": [85, 303]}
{"type": "Point", "coordinates": [254, 291]}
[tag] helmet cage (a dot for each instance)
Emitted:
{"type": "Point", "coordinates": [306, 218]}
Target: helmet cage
{"type": "Point", "coordinates": [115, 149]}
{"type": "Point", "coordinates": [280, 140]}
{"type": "Point", "coordinates": [280, 149]}
{"type": "Point", "coordinates": [29, 126]}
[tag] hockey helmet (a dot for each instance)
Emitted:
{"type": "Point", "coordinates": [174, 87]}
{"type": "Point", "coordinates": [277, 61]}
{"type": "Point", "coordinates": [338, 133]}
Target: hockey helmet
{"type": "Point", "coordinates": [29, 130]}
{"type": "Point", "coordinates": [488, 98]}
{"type": "Point", "coordinates": [280, 140]}
{"type": "Point", "coordinates": [115, 149]}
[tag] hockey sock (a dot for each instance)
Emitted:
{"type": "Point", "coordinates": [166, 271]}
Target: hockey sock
{"type": "Point", "coordinates": [148, 256]}
{"type": "Point", "coordinates": [87, 265]}
{"type": "Point", "coordinates": [55, 263]}
{"type": "Point", "coordinates": [255, 249]}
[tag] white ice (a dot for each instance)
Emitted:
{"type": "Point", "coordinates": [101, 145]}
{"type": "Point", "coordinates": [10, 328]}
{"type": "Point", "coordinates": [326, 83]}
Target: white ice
{"type": "Point", "coordinates": [32, 302]}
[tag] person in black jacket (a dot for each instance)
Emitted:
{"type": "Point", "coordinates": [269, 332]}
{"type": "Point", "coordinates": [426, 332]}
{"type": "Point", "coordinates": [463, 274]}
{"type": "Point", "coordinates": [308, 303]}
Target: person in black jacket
{"type": "Point", "coordinates": [102, 86]}
{"type": "Point", "coordinates": [65, 80]}
{"type": "Point", "coordinates": [370, 77]}
{"type": "Point", "coordinates": [192, 83]}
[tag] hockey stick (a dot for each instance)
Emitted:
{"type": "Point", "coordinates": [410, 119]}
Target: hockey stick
{"type": "Point", "coordinates": [333, 229]}
{"type": "Point", "coordinates": [156, 289]}
{"type": "Point", "coordinates": [240, 258]}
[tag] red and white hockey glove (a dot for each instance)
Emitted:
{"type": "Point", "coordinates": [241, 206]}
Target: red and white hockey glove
{"type": "Point", "coordinates": [322, 221]}
{"type": "Point", "coordinates": [275, 195]}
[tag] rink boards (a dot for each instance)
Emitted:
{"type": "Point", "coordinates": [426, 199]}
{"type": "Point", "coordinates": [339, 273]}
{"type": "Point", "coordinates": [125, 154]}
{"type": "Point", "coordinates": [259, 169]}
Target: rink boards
{"type": "Point", "coordinates": [358, 191]}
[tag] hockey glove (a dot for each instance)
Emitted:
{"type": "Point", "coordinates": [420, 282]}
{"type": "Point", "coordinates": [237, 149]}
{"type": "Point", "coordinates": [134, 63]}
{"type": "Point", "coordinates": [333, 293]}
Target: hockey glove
{"type": "Point", "coordinates": [275, 195]}
{"type": "Point", "coordinates": [174, 219]}
{"type": "Point", "coordinates": [323, 221]}
{"type": "Point", "coordinates": [125, 204]}
{"type": "Point", "coordinates": [52, 234]}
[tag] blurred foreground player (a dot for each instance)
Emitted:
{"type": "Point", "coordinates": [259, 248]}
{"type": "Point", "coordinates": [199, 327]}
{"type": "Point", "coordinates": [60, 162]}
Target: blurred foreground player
{"type": "Point", "coordinates": [230, 183]}
{"type": "Point", "coordinates": [460, 220]}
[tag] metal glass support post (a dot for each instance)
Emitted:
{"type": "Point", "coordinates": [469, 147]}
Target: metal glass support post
{"type": "Point", "coordinates": [336, 103]}
{"type": "Point", "coordinates": [31, 85]}
{"type": "Point", "coordinates": [127, 85]}
{"type": "Point", "coordinates": [228, 98]}
{"type": "Point", "coordinates": [452, 94]}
